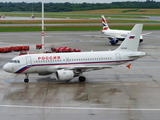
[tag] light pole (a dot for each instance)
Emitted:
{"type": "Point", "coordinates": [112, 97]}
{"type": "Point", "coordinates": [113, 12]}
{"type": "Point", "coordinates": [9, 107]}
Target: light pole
{"type": "Point", "coordinates": [42, 25]}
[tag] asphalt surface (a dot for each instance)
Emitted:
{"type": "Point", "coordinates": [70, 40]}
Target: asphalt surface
{"type": "Point", "coordinates": [115, 94]}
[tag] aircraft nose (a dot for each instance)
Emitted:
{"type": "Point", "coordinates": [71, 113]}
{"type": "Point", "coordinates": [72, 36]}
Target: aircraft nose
{"type": "Point", "coordinates": [7, 68]}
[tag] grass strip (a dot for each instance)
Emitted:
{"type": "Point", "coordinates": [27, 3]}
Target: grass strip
{"type": "Point", "coordinates": [71, 21]}
{"type": "Point", "coordinates": [72, 28]}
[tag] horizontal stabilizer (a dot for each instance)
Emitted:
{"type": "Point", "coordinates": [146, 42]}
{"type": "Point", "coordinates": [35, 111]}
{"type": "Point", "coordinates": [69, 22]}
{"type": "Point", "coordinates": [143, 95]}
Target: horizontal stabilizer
{"type": "Point", "coordinates": [137, 54]}
{"type": "Point", "coordinates": [146, 33]}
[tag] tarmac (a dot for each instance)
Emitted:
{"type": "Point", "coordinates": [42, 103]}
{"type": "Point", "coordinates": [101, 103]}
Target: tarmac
{"type": "Point", "coordinates": [114, 94]}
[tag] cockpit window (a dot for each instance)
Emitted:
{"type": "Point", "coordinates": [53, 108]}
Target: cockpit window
{"type": "Point", "coordinates": [14, 61]}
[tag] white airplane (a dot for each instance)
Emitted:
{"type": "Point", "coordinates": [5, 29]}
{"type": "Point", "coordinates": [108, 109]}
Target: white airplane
{"type": "Point", "coordinates": [69, 65]}
{"type": "Point", "coordinates": [115, 35]}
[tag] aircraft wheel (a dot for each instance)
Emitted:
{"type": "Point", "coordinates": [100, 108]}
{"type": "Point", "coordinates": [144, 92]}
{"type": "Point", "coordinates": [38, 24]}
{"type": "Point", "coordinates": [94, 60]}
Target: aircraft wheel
{"type": "Point", "coordinates": [26, 80]}
{"type": "Point", "coordinates": [82, 79]}
{"type": "Point", "coordinates": [141, 40]}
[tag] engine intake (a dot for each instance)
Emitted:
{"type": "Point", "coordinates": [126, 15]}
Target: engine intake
{"type": "Point", "coordinates": [64, 75]}
{"type": "Point", "coordinates": [113, 41]}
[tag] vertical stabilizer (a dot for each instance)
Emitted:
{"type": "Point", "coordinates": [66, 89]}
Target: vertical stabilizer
{"type": "Point", "coordinates": [104, 23]}
{"type": "Point", "coordinates": [131, 42]}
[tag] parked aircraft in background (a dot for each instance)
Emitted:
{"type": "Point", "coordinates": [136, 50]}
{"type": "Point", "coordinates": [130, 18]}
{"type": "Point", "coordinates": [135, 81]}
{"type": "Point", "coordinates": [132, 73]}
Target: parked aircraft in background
{"type": "Point", "coordinates": [69, 65]}
{"type": "Point", "coordinates": [115, 35]}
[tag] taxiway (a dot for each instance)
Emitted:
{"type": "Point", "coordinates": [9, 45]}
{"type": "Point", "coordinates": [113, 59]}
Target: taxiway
{"type": "Point", "coordinates": [115, 94]}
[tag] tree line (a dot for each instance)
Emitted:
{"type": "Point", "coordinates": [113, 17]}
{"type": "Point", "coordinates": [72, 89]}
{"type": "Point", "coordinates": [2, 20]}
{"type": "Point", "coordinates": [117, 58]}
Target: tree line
{"type": "Point", "coordinates": [64, 7]}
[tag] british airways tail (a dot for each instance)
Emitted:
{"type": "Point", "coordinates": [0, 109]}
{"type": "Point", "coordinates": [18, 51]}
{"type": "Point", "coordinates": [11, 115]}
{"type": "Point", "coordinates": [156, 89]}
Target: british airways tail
{"type": "Point", "coordinates": [104, 23]}
{"type": "Point", "coordinates": [131, 42]}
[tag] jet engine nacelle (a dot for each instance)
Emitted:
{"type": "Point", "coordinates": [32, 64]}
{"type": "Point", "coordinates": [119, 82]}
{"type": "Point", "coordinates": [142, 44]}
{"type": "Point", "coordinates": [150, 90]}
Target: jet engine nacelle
{"type": "Point", "coordinates": [64, 75]}
{"type": "Point", "coordinates": [113, 41]}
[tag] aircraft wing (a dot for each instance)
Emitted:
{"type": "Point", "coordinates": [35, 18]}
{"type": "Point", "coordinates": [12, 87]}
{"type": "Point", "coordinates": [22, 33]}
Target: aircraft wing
{"type": "Point", "coordinates": [106, 36]}
{"type": "Point", "coordinates": [90, 68]}
{"type": "Point", "coordinates": [98, 36]}
{"type": "Point", "coordinates": [83, 67]}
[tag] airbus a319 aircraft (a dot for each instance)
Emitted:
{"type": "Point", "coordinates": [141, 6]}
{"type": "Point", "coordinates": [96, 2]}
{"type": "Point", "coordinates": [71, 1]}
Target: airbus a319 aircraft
{"type": "Point", "coordinates": [69, 65]}
{"type": "Point", "coordinates": [115, 35]}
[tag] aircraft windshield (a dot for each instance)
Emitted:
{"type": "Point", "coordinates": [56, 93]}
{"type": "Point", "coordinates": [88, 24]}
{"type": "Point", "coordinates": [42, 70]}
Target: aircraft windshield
{"type": "Point", "coordinates": [14, 61]}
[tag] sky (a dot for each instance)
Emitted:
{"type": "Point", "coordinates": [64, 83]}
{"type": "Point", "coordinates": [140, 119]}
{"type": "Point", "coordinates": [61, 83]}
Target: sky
{"type": "Point", "coordinates": [71, 1]}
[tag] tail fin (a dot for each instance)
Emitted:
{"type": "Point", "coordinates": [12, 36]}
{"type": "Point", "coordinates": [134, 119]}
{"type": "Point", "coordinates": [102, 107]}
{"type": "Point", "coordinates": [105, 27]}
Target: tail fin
{"type": "Point", "coordinates": [104, 23]}
{"type": "Point", "coordinates": [131, 42]}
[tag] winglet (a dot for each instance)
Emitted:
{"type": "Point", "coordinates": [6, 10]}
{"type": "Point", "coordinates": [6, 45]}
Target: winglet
{"type": "Point", "coordinates": [129, 66]}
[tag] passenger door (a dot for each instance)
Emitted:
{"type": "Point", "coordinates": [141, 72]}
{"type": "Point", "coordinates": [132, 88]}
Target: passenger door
{"type": "Point", "coordinates": [67, 60]}
{"type": "Point", "coordinates": [28, 61]}
{"type": "Point", "coordinates": [118, 56]}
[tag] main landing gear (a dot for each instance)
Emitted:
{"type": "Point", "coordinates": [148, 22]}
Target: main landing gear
{"type": "Point", "coordinates": [26, 80]}
{"type": "Point", "coordinates": [82, 79]}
